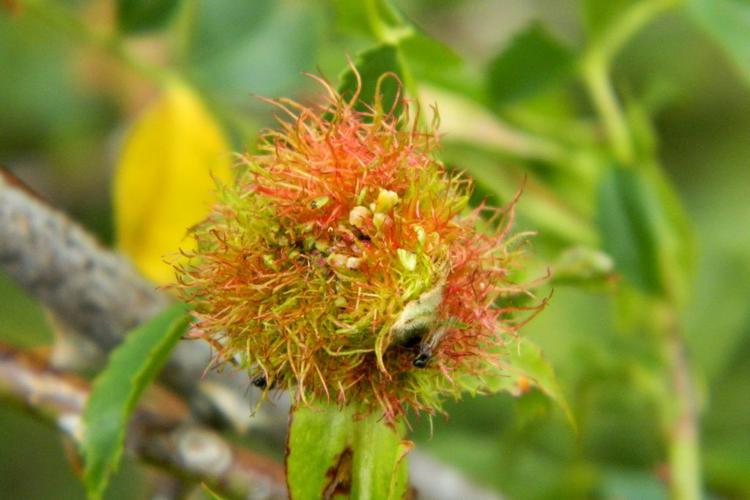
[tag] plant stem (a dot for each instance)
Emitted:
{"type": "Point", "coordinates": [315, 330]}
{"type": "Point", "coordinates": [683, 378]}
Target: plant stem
{"type": "Point", "coordinates": [679, 408]}
{"type": "Point", "coordinates": [161, 432]}
{"type": "Point", "coordinates": [684, 451]}
{"type": "Point", "coordinates": [628, 24]}
{"type": "Point", "coordinates": [605, 101]}
{"type": "Point", "coordinates": [682, 416]}
{"type": "Point", "coordinates": [595, 71]}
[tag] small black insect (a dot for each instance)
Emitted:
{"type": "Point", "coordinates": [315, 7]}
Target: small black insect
{"type": "Point", "coordinates": [421, 360]}
{"type": "Point", "coordinates": [361, 236]}
{"type": "Point", "coordinates": [427, 345]}
{"type": "Point", "coordinates": [260, 381]}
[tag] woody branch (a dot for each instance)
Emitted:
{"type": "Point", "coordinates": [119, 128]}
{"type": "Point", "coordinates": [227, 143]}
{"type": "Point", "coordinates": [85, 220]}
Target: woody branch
{"type": "Point", "coordinates": [160, 434]}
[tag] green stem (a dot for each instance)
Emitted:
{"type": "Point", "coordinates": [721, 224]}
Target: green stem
{"type": "Point", "coordinates": [684, 450]}
{"type": "Point", "coordinates": [680, 408]}
{"type": "Point", "coordinates": [682, 417]}
{"type": "Point", "coordinates": [595, 71]}
{"type": "Point", "coordinates": [628, 24]}
{"type": "Point", "coordinates": [605, 101]}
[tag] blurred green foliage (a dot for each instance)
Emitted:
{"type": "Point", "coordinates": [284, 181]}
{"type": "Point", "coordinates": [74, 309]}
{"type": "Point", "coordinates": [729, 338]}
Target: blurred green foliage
{"type": "Point", "coordinates": [682, 81]}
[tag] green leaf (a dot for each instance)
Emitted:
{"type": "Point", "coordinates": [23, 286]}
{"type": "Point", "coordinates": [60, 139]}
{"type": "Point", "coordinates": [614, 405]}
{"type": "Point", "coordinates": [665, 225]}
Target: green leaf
{"type": "Point", "coordinates": [134, 16]}
{"type": "Point", "coordinates": [371, 65]}
{"type": "Point", "coordinates": [531, 63]}
{"type": "Point", "coordinates": [332, 452]}
{"type": "Point", "coordinates": [377, 19]}
{"type": "Point", "coordinates": [598, 15]}
{"type": "Point", "coordinates": [116, 390]}
{"type": "Point", "coordinates": [525, 360]}
{"type": "Point", "coordinates": [728, 23]}
{"type": "Point", "coordinates": [643, 227]}
{"type": "Point", "coordinates": [426, 58]}
{"type": "Point", "coordinates": [522, 366]}
{"type": "Point", "coordinates": [430, 60]}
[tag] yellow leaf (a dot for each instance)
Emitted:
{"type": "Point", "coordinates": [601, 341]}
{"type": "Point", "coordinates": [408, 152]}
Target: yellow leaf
{"type": "Point", "coordinates": [163, 182]}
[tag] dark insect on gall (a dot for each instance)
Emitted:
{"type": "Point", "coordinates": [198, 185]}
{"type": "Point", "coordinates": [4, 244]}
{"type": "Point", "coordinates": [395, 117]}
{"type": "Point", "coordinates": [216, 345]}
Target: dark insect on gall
{"type": "Point", "coordinates": [421, 360]}
{"type": "Point", "coordinates": [261, 382]}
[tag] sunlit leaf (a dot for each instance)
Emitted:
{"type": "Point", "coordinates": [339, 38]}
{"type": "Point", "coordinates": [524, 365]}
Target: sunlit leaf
{"type": "Point", "coordinates": [728, 23]}
{"type": "Point", "coordinates": [532, 62]}
{"type": "Point", "coordinates": [163, 183]}
{"type": "Point", "coordinates": [334, 453]}
{"type": "Point", "coordinates": [143, 15]}
{"type": "Point", "coordinates": [116, 390]}
{"type": "Point", "coordinates": [523, 366]}
{"type": "Point", "coordinates": [643, 227]}
{"type": "Point", "coordinates": [526, 362]}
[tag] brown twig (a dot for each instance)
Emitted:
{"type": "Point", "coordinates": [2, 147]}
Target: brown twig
{"type": "Point", "coordinates": [97, 292]}
{"type": "Point", "coordinates": [160, 432]}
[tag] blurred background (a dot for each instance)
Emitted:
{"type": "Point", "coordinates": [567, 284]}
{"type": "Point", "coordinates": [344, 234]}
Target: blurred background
{"type": "Point", "coordinates": [66, 103]}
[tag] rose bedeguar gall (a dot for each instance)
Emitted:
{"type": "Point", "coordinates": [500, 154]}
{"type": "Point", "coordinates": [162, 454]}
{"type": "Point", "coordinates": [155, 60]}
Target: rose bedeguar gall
{"type": "Point", "coordinates": [345, 265]}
